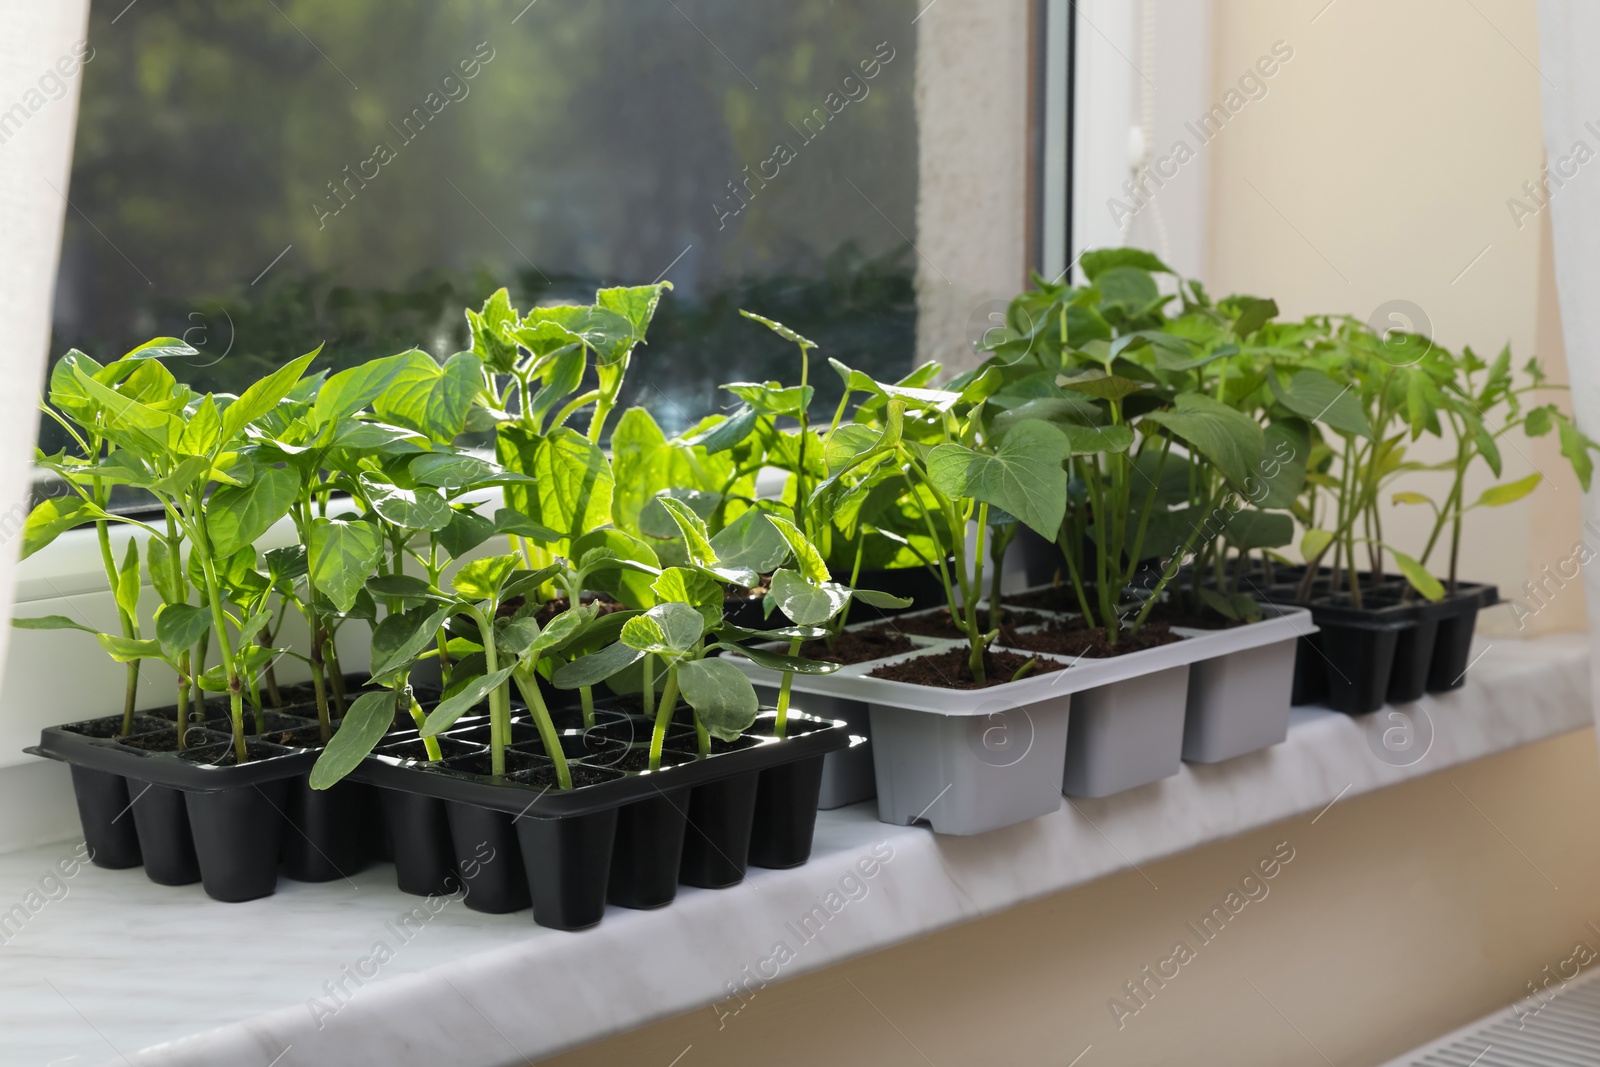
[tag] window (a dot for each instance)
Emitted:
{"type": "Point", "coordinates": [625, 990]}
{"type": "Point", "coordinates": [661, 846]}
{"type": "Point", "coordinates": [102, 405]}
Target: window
{"type": "Point", "coordinates": [260, 177]}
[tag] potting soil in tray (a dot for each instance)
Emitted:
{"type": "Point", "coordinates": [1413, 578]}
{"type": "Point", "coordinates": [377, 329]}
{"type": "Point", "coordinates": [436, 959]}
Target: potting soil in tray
{"type": "Point", "coordinates": [950, 669]}
{"type": "Point", "coordinates": [1071, 638]}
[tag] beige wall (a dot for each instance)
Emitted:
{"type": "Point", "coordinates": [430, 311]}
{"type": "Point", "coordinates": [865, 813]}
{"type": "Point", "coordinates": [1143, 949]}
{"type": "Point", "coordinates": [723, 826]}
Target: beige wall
{"type": "Point", "coordinates": [1378, 168]}
{"type": "Point", "coordinates": [1403, 915]}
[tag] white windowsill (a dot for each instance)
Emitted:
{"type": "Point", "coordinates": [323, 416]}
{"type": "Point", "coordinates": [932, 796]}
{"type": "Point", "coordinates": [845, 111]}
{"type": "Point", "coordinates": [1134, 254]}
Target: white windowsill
{"type": "Point", "coordinates": [119, 967]}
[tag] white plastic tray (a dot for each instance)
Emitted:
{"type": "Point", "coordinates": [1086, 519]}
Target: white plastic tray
{"type": "Point", "coordinates": [1282, 622]}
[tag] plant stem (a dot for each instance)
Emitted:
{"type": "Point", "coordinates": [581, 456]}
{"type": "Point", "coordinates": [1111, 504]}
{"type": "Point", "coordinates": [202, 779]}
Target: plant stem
{"type": "Point", "coordinates": [319, 680]}
{"type": "Point", "coordinates": [335, 672]}
{"type": "Point", "coordinates": [669, 699]}
{"type": "Point", "coordinates": [782, 723]}
{"type": "Point", "coordinates": [418, 716]}
{"type": "Point", "coordinates": [528, 685]}
{"type": "Point", "coordinates": [270, 672]}
{"type": "Point", "coordinates": [183, 697]}
{"type": "Point", "coordinates": [586, 695]}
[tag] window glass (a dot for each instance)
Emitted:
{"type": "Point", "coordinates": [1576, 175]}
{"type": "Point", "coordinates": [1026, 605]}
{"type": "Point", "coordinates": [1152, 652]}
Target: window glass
{"type": "Point", "coordinates": [259, 178]}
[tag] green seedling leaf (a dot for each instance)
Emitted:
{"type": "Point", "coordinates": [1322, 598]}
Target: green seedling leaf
{"type": "Point", "coordinates": [1127, 285]}
{"type": "Point", "coordinates": [693, 529]}
{"type": "Point", "coordinates": [264, 395]}
{"type": "Point", "coordinates": [128, 583]}
{"type": "Point", "coordinates": [750, 542]}
{"type": "Point", "coordinates": [1286, 446]}
{"type": "Point", "coordinates": [51, 622]}
{"type": "Point", "coordinates": [127, 649]}
{"type": "Point", "coordinates": [726, 433]}
{"type": "Point", "coordinates": [635, 305]}
{"type": "Point", "coordinates": [465, 531]}
{"type": "Point", "coordinates": [1255, 314]}
{"type": "Point", "coordinates": [147, 430]}
{"type": "Point", "coordinates": [1230, 439]}
{"type": "Point", "coordinates": [490, 341]}
{"type": "Point", "coordinates": [1313, 543]}
{"type": "Point", "coordinates": [165, 577]}
{"type": "Point", "coordinates": [512, 521]}
{"type": "Point", "coordinates": [1249, 530]}
{"type": "Point", "coordinates": [1409, 497]}
{"type": "Point", "coordinates": [805, 603]}
{"type": "Point", "coordinates": [1313, 395]}
{"type": "Point", "coordinates": [409, 509]}
{"type": "Point", "coordinates": [237, 515]}
{"type": "Point", "coordinates": [429, 398]}
{"type": "Point", "coordinates": [454, 470]}
{"type": "Point", "coordinates": [1575, 446]}
{"type": "Point", "coordinates": [365, 723]}
{"type": "Point", "coordinates": [481, 579]}
{"type": "Point", "coordinates": [692, 588]}
{"type": "Point", "coordinates": [560, 630]}
{"type": "Point", "coordinates": [1023, 477]}
{"type": "Point", "coordinates": [630, 586]}
{"type": "Point", "coordinates": [400, 638]}
{"type": "Point", "coordinates": [341, 556]}
{"type": "Point", "coordinates": [1104, 386]}
{"type": "Point", "coordinates": [53, 517]}
{"type": "Point", "coordinates": [776, 661]}
{"type": "Point", "coordinates": [847, 444]}
{"type": "Point", "coordinates": [204, 430]}
{"type": "Point", "coordinates": [666, 629]}
{"type": "Point", "coordinates": [1416, 574]}
{"type": "Point", "coordinates": [778, 328]}
{"type": "Point", "coordinates": [523, 582]}
{"type": "Point", "coordinates": [253, 626]}
{"type": "Point", "coordinates": [806, 556]}
{"type": "Point", "coordinates": [445, 715]}
{"type": "Point", "coordinates": [572, 487]}
{"type": "Point", "coordinates": [729, 632]}
{"type": "Point", "coordinates": [408, 586]}
{"type": "Point", "coordinates": [1093, 264]}
{"type": "Point", "coordinates": [722, 697]}
{"type": "Point", "coordinates": [1500, 495]}
{"type": "Point", "coordinates": [161, 348]}
{"type": "Point", "coordinates": [879, 599]}
{"type": "Point", "coordinates": [592, 670]}
{"type": "Point", "coordinates": [351, 390]}
{"type": "Point", "coordinates": [180, 627]}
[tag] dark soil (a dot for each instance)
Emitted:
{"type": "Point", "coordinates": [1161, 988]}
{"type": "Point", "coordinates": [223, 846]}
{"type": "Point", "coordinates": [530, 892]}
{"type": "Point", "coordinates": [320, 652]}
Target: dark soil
{"type": "Point", "coordinates": [949, 669]}
{"type": "Point", "coordinates": [167, 740]}
{"type": "Point", "coordinates": [544, 776]}
{"type": "Point", "coordinates": [939, 624]}
{"type": "Point", "coordinates": [689, 744]}
{"type": "Point", "coordinates": [417, 749]}
{"type": "Point", "coordinates": [858, 646]}
{"type": "Point", "coordinates": [1071, 639]}
{"type": "Point", "coordinates": [1191, 617]}
{"type": "Point", "coordinates": [222, 755]}
{"type": "Point", "coordinates": [111, 726]}
{"type": "Point", "coordinates": [638, 759]}
{"type": "Point", "coordinates": [483, 763]}
{"type": "Point", "coordinates": [1053, 598]}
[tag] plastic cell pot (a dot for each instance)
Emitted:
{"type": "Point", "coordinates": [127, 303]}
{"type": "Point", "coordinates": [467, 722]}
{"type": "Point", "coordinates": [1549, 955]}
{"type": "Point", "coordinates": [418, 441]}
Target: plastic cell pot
{"type": "Point", "coordinates": [623, 833]}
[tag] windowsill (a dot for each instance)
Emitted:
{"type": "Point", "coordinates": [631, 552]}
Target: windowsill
{"type": "Point", "coordinates": [132, 965]}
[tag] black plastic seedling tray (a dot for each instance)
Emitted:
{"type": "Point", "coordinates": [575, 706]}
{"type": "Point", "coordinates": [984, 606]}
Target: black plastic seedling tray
{"type": "Point", "coordinates": [1392, 649]}
{"type": "Point", "coordinates": [196, 816]}
{"type": "Point", "coordinates": [621, 834]}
